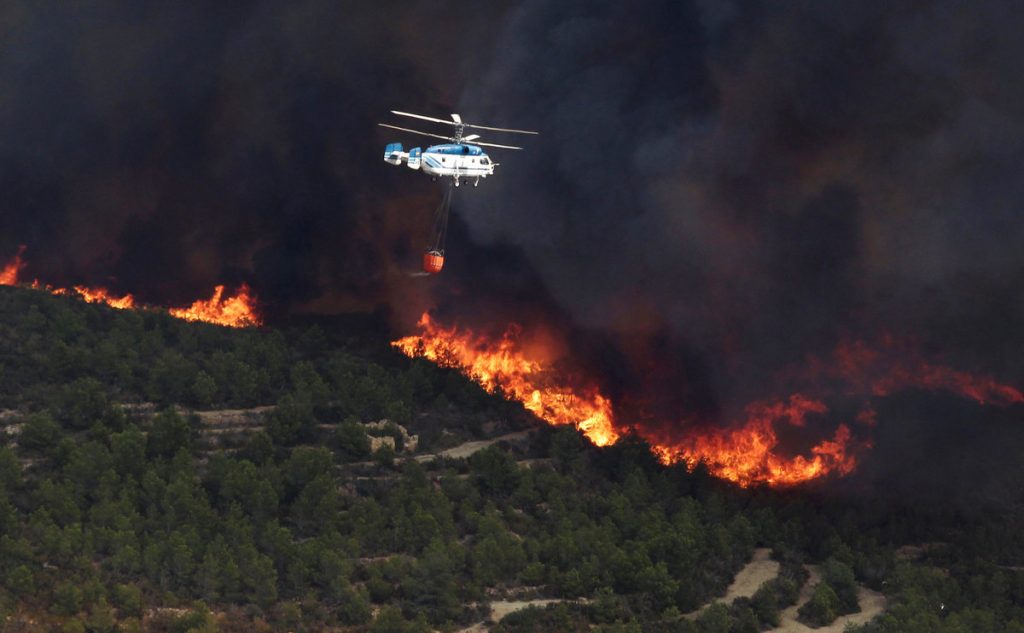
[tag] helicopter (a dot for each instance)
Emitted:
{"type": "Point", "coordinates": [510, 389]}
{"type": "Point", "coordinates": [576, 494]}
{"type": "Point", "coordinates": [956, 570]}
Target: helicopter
{"type": "Point", "coordinates": [460, 158]}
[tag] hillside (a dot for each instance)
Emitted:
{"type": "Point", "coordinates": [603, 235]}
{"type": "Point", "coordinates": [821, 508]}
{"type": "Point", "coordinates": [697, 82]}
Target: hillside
{"type": "Point", "coordinates": [160, 475]}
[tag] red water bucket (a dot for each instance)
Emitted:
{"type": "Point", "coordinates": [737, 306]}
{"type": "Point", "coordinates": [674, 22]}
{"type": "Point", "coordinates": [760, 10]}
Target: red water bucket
{"type": "Point", "coordinates": [433, 262]}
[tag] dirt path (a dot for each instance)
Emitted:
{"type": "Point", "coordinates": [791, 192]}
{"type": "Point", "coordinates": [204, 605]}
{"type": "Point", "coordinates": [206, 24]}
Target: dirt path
{"type": "Point", "coordinates": [502, 608]}
{"type": "Point", "coordinates": [871, 602]}
{"type": "Point", "coordinates": [758, 571]}
{"type": "Point", "coordinates": [787, 616]}
{"type": "Point", "coordinates": [232, 420]}
{"type": "Point", "coordinates": [468, 448]}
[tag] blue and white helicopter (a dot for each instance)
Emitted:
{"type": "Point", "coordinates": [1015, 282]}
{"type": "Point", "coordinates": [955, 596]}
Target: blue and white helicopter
{"type": "Point", "coordinates": [461, 159]}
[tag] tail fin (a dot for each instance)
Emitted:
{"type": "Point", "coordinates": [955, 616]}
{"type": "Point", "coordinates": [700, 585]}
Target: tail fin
{"type": "Point", "coordinates": [414, 158]}
{"type": "Point", "coordinates": [393, 153]}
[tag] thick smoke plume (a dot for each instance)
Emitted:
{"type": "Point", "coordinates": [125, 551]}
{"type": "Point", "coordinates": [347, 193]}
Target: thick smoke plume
{"type": "Point", "coordinates": [722, 191]}
{"type": "Point", "coordinates": [756, 182]}
{"type": "Point", "coordinates": [161, 149]}
{"type": "Point", "coordinates": [731, 191]}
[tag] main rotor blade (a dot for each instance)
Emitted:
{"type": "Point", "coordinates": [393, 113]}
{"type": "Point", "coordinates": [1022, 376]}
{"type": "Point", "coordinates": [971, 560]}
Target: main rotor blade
{"type": "Point", "coordinates": [425, 118]}
{"type": "Point", "coordinates": [496, 145]}
{"type": "Point", "coordinates": [500, 129]}
{"type": "Point", "coordinates": [405, 129]}
{"type": "Point", "coordinates": [470, 137]}
{"type": "Point", "coordinates": [457, 120]}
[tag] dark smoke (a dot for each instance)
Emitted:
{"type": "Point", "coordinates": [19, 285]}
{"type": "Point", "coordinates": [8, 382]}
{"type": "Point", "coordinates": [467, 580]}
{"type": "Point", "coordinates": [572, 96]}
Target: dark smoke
{"type": "Point", "coordinates": [720, 189]}
{"type": "Point", "coordinates": [160, 148]}
{"type": "Point", "coordinates": [942, 449]}
{"type": "Point", "coordinates": [761, 179]}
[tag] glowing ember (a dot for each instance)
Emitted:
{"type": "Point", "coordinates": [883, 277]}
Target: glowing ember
{"type": "Point", "coordinates": [238, 310]}
{"type": "Point", "coordinates": [235, 311]}
{"type": "Point", "coordinates": [747, 451]}
{"type": "Point", "coordinates": [890, 368]}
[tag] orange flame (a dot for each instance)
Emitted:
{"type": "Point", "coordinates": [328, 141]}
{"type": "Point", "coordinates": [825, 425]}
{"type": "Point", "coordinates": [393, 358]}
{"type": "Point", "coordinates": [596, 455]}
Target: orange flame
{"type": "Point", "coordinates": [10, 271]}
{"type": "Point", "coordinates": [101, 295]}
{"type": "Point", "coordinates": [502, 365]}
{"type": "Point", "coordinates": [237, 311]}
{"type": "Point", "coordinates": [745, 452]}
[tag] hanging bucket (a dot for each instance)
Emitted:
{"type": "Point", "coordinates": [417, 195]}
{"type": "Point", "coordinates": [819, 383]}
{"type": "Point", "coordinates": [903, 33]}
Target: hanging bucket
{"type": "Point", "coordinates": [433, 262]}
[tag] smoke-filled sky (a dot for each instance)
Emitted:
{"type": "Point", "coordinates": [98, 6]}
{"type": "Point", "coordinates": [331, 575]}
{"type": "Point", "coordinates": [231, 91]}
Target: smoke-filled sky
{"type": "Point", "coordinates": [720, 188]}
{"type": "Point", "coordinates": [760, 178]}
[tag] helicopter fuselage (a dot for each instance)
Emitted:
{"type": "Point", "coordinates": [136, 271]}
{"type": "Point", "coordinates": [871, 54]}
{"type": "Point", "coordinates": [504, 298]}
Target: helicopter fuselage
{"type": "Point", "coordinates": [454, 160]}
{"type": "Point", "coordinates": [457, 160]}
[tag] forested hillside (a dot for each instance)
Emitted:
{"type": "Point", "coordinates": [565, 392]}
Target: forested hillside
{"type": "Point", "coordinates": [167, 476]}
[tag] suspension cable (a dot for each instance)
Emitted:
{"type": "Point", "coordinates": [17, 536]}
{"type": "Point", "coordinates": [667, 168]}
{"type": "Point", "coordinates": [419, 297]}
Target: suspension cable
{"type": "Point", "coordinates": [441, 219]}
